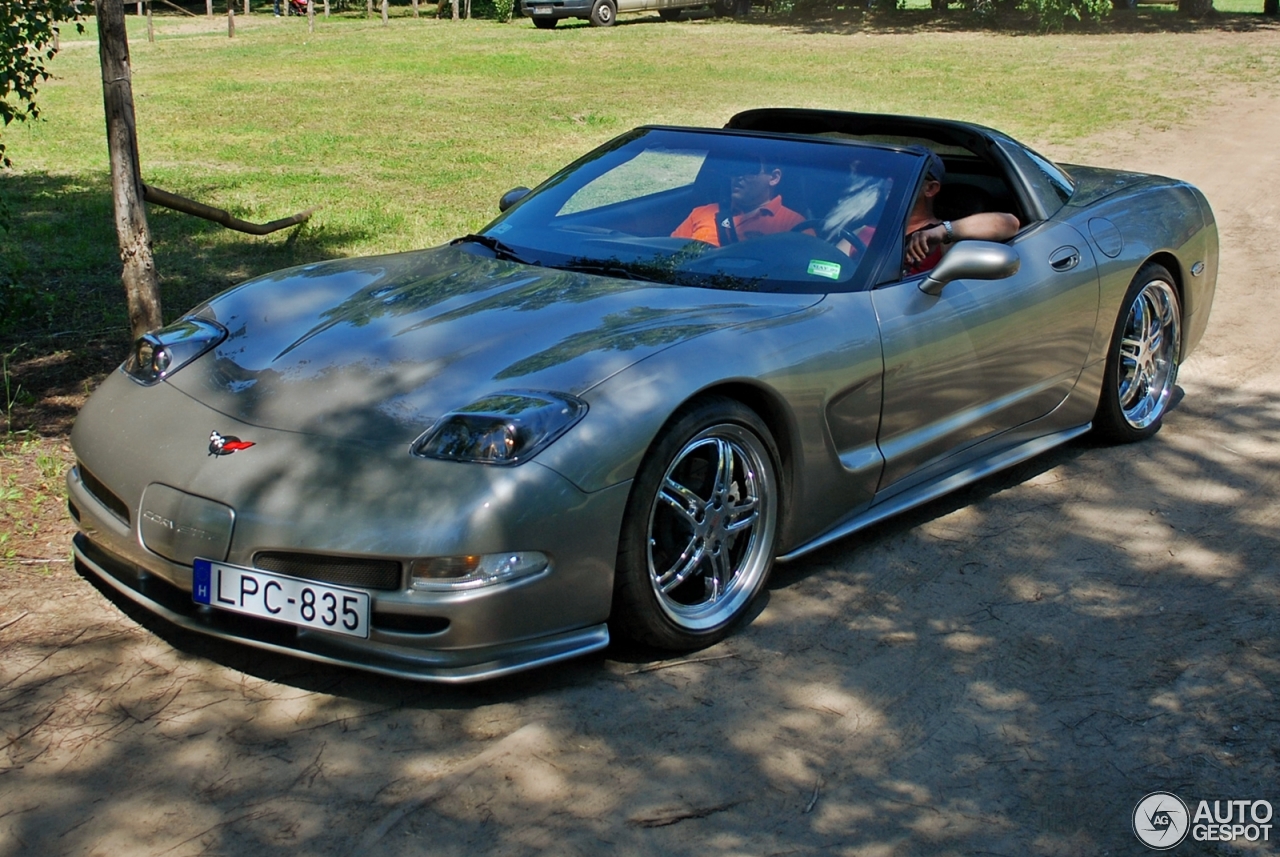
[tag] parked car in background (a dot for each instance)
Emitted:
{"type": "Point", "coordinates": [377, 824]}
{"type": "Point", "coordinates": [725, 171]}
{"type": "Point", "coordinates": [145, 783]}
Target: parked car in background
{"type": "Point", "coordinates": [602, 13]}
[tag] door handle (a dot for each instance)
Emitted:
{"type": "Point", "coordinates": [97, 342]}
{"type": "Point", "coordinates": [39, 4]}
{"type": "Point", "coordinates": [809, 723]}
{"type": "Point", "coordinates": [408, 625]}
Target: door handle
{"type": "Point", "coordinates": [1064, 258]}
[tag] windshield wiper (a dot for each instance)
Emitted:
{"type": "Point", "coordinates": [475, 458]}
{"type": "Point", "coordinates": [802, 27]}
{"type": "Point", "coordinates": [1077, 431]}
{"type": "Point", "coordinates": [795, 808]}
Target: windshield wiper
{"type": "Point", "coordinates": [608, 270]}
{"type": "Point", "coordinates": [502, 251]}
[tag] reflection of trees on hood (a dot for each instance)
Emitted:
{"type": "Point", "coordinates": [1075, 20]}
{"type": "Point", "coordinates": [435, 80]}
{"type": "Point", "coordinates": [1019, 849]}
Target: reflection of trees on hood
{"type": "Point", "coordinates": [495, 285]}
{"type": "Point", "coordinates": [639, 327]}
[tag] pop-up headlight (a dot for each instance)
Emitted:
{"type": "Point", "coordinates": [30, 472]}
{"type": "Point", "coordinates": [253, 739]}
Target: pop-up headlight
{"type": "Point", "coordinates": [505, 428]}
{"type": "Point", "coordinates": [160, 353]}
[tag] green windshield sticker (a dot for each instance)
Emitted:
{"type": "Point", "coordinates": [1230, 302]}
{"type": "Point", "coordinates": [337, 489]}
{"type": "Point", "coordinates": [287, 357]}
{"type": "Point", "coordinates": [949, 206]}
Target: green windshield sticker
{"type": "Point", "coordinates": [830, 270]}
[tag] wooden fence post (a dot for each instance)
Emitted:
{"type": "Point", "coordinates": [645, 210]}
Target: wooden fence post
{"type": "Point", "coordinates": [141, 285]}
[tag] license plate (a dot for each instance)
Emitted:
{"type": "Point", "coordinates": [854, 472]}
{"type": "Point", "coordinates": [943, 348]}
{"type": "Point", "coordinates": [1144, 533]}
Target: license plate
{"type": "Point", "coordinates": [283, 599]}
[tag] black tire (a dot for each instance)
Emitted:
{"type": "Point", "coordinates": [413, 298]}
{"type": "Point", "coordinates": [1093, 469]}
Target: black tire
{"type": "Point", "coordinates": [1142, 362]}
{"type": "Point", "coordinates": [700, 529]}
{"type": "Point", "coordinates": [546, 23]}
{"type": "Point", "coordinates": [669, 14]}
{"type": "Point", "coordinates": [604, 13]}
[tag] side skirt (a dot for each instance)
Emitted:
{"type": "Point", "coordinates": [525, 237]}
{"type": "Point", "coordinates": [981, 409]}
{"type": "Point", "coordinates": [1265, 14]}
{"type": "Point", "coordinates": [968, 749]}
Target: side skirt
{"type": "Point", "coordinates": [932, 490]}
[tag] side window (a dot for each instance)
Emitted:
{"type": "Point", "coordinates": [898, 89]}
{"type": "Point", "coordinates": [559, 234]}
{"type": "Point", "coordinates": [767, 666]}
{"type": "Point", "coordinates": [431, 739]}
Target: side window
{"type": "Point", "coordinates": [1051, 186]}
{"type": "Point", "coordinates": [650, 172]}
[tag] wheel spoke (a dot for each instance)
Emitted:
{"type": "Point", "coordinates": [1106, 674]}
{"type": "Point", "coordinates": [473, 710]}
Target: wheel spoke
{"type": "Point", "coordinates": [750, 510]}
{"type": "Point", "coordinates": [724, 467]}
{"type": "Point", "coordinates": [721, 574]}
{"type": "Point", "coordinates": [685, 566]}
{"type": "Point", "coordinates": [688, 505]}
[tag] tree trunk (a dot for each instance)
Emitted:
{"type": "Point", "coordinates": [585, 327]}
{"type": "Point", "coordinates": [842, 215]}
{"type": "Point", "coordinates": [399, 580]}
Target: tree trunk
{"type": "Point", "coordinates": [415, 8]}
{"type": "Point", "coordinates": [246, 7]}
{"type": "Point", "coordinates": [1195, 8]}
{"type": "Point", "coordinates": [384, 13]}
{"type": "Point", "coordinates": [141, 285]}
{"type": "Point", "coordinates": [151, 30]}
{"type": "Point", "coordinates": [311, 16]}
{"type": "Point", "coordinates": [455, 9]}
{"type": "Point", "coordinates": [208, 8]}
{"type": "Point", "coordinates": [231, 19]}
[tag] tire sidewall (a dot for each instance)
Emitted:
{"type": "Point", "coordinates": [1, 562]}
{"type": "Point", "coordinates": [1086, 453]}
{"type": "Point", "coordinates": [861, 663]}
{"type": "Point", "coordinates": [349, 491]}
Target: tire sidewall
{"type": "Point", "coordinates": [636, 613]}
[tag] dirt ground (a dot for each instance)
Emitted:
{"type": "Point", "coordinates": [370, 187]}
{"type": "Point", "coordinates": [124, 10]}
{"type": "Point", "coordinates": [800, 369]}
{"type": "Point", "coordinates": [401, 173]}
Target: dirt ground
{"type": "Point", "coordinates": [1004, 672]}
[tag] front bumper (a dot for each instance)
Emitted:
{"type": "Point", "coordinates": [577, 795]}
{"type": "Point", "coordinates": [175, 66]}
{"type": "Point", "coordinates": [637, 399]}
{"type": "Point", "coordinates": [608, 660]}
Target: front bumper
{"type": "Point", "coordinates": [557, 8]}
{"type": "Point", "coordinates": [168, 601]}
{"type": "Point", "coordinates": [313, 496]}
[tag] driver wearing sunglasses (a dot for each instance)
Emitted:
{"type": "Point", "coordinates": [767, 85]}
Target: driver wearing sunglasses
{"type": "Point", "coordinates": [755, 207]}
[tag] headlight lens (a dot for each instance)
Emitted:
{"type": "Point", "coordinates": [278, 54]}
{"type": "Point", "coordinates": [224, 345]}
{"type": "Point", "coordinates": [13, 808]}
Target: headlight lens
{"type": "Point", "coordinates": [505, 428]}
{"type": "Point", "coordinates": [160, 353]}
{"type": "Point", "coordinates": [472, 572]}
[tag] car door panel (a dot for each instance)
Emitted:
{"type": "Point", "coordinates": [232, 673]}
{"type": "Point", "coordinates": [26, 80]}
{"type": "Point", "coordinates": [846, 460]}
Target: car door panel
{"type": "Point", "coordinates": [984, 356]}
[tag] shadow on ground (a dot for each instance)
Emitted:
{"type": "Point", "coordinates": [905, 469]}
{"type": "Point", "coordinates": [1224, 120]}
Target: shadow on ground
{"type": "Point", "coordinates": [1005, 671]}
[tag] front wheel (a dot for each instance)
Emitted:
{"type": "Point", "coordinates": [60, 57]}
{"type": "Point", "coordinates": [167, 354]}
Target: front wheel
{"type": "Point", "coordinates": [1142, 365]}
{"type": "Point", "coordinates": [700, 529]}
{"type": "Point", "coordinates": [603, 13]}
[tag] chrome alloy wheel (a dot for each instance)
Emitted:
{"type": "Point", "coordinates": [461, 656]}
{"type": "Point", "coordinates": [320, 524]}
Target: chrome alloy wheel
{"type": "Point", "coordinates": [711, 527]}
{"type": "Point", "coordinates": [1149, 351]}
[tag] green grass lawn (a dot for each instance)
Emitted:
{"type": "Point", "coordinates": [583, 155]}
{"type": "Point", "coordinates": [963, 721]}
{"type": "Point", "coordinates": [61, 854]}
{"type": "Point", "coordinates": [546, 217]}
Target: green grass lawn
{"type": "Point", "coordinates": [406, 135]}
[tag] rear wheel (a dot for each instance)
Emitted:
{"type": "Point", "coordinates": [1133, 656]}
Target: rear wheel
{"type": "Point", "coordinates": [1142, 365]}
{"type": "Point", "coordinates": [700, 529]}
{"type": "Point", "coordinates": [545, 23]}
{"type": "Point", "coordinates": [603, 13]}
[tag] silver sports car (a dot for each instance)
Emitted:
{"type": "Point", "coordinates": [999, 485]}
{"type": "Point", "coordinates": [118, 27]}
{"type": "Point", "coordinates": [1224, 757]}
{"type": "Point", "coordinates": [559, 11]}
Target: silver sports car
{"type": "Point", "coordinates": [613, 409]}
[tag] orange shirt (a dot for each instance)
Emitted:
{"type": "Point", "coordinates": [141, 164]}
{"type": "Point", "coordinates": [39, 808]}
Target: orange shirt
{"type": "Point", "coordinates": [769, 218]}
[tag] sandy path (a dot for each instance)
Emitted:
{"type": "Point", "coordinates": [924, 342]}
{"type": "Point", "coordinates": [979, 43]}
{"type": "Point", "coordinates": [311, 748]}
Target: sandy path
{"type": "Point", "coordinates": [1004, 672]}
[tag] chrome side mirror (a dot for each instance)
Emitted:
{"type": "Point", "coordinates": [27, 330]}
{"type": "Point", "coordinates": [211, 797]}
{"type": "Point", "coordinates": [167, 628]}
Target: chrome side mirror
{"type": "Point", "coordinates": [972, 260]}
{"type": "Point", "coordinates": [511, 197]}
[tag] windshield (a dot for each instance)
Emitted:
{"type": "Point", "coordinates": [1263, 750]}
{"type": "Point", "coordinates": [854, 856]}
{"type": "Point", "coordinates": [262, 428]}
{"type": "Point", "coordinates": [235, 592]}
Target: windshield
{"type": "Point", "coordinates": [807, 215]}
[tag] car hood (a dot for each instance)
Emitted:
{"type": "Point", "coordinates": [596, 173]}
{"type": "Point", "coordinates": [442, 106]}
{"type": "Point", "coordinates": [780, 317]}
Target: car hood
{"type": "Point", "coordinates": [377, 348]}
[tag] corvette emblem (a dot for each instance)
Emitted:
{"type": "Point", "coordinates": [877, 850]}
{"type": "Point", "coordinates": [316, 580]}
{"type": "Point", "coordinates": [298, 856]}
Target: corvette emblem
{"type": "Point", "coordinates": [219, 445]}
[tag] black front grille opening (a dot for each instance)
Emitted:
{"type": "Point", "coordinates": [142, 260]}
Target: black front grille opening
{"type": "Point", "coordinates": [103, 494]}
{"type": "Point", "coordinates": [339, 570]}
{"type": "Point", "coordinates": [178, 600]}
{"type": "Point", "coordinates": [403, 623]}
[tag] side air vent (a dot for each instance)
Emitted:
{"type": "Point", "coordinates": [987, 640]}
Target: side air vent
{"type": "Point", "coordinates": [103, 494]}
{"type": "Point", "coordinates": [340, 570]}
{"type": "Point", "coordinates": [406, 624]}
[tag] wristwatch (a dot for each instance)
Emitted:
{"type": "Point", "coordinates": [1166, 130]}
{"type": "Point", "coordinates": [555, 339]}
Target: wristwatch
{"type": "Point", "coordinates": [950, 237]}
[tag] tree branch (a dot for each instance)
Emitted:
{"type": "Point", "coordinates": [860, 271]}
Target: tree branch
{"type": "Point", "coordinates": [156, 196]}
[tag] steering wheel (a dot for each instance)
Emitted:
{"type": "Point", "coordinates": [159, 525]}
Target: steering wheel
{"type": "Point", "coordinates": [847, 233]}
